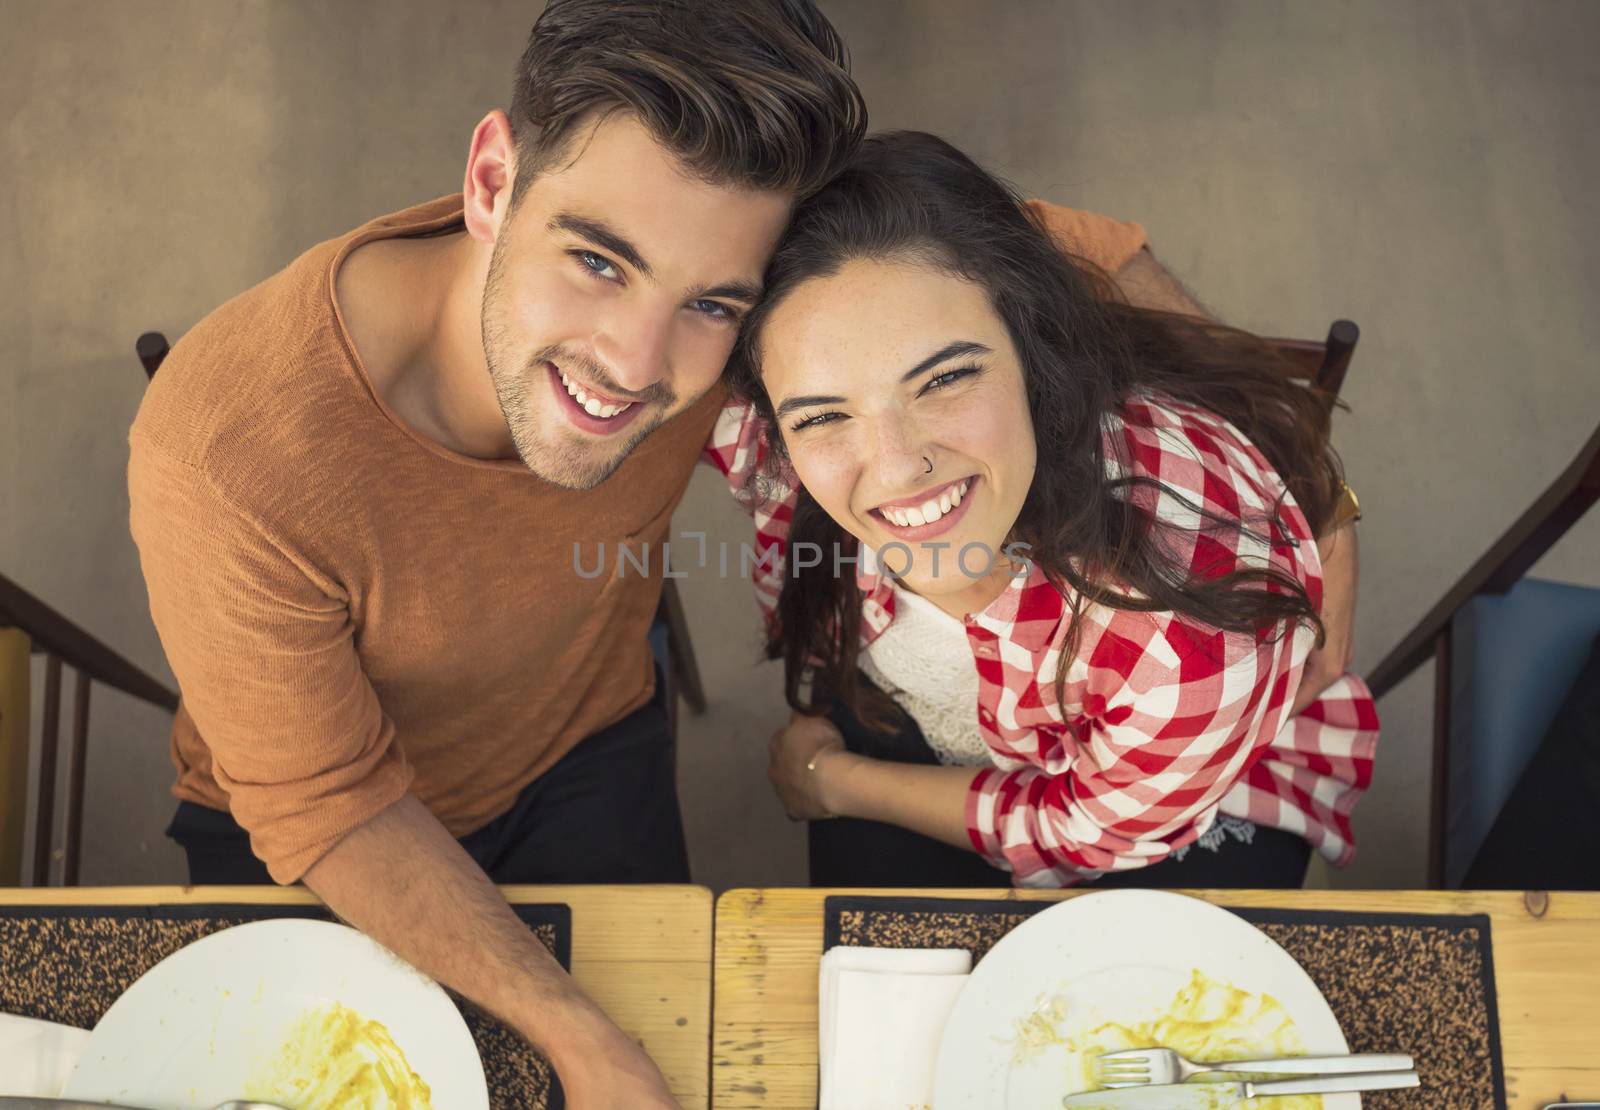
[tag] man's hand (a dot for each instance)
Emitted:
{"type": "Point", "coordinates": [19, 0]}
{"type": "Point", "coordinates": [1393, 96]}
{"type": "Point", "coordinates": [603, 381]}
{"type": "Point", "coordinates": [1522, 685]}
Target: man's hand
{"type": "Point", "coordinates": [406, 883]}
{"type": "Point", "coordinates": [613, 1073]}
{"type": "Point", "coordinates": [1339, 574]}
{"type": "Point", "coordinates": [788, 752]}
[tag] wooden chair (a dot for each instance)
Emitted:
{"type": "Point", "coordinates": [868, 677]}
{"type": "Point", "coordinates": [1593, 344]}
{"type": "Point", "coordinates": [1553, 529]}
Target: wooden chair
{"type": "Point", "coordinates": [1323, 364]}
{"type": "Point", "coordinates": [1445, 633]}
{"type": "Point", "coordinates": [30, 627]}
{"type": "Point", "coordinates": [678, 666]}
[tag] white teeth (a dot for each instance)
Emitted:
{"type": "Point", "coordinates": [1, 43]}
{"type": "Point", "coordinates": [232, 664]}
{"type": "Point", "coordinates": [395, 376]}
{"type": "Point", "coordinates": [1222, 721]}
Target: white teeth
{"type": "Point", "coordinates": [930, 510]}
{"type": "Point", "coordinates": [591, 405]}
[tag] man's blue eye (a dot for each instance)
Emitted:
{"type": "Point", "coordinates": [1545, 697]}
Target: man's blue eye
{"type": "Point", "coordinates": [714, 309]}
{"type": "Point", "coordinates": [596, 264]}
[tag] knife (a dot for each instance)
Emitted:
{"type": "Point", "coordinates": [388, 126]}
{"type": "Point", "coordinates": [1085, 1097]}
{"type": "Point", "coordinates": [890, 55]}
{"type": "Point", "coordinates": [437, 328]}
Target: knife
{"type": "Point", "coordinates": [1219, 1096]}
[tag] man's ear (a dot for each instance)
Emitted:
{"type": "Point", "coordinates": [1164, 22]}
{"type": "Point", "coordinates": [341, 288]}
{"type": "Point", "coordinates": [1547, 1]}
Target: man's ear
{"type": "Point", "coordinates": [491, 172]}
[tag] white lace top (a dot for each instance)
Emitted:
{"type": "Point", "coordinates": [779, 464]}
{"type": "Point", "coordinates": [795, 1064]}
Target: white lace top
{"type": "Point", "coordinates": [923, 661]}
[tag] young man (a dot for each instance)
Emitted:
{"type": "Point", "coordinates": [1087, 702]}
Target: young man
{"type": "Point", "coordinates": [356, 490]}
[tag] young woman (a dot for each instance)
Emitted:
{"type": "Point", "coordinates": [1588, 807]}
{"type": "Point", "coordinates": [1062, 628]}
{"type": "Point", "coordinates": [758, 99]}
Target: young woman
{"type": "Point", "coordinates": [1052, 573]}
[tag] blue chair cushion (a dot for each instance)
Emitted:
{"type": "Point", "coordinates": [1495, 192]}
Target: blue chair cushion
{"type": "Point", "coordinates": [1514, 657]}
{"type": "Point", "coordinates": [1546, 837]}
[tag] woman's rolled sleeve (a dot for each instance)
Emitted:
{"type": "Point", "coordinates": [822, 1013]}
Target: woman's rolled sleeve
{"type": "Point", "coordinates": [1171, 720]}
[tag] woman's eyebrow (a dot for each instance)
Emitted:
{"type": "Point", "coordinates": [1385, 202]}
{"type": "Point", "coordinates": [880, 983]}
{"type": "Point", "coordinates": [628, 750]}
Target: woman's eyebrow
{"type": "Point", "coordinates": [804, 403]}
{"type": "Point", "coordinates": [948, 351]}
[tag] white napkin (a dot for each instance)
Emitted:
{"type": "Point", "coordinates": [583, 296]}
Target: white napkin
{"type": "Point", "coordinates": [880, 1013]}
{"type": "Point", "coordinates": [37, 1057]}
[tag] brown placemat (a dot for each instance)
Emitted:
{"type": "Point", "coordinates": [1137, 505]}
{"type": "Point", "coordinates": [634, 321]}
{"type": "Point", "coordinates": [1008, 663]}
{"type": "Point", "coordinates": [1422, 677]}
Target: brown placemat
{"type": "Point", "coordinates": [68, 964]}
{"type": "Point", "coordinates": [1417, 983]}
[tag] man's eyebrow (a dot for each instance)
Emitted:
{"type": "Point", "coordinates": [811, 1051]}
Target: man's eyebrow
{"type": "Point", "coordinates": [948, 351]}
{"type": "Point", "coordinates": [748, 292]}
{"type": "Point", "coordinates": [603, 237]}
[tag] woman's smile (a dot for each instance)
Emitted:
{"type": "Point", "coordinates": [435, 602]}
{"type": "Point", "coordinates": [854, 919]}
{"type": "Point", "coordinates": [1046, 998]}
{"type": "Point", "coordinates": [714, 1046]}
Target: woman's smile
{"type": "Point", "coordinates": [929, 514]}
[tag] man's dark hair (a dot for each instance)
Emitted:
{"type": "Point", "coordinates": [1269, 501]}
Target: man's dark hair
{"type": "Point", "coordinates": [752, 93]}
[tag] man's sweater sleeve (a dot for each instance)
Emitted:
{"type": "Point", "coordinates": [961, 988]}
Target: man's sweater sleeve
{"type": "Point", "coordinates": [263, 649]}
{"type": "Point", "coordinates": [1110, 244]}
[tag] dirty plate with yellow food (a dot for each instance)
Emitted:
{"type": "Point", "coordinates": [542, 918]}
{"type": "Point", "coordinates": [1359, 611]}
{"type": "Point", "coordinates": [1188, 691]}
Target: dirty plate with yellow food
{"type": "Point", "coordinates": [1126, 969]}
{"type": "Point", "coordinates": [305, 1014]}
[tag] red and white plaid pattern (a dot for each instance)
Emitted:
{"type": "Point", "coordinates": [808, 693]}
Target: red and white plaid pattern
{"type": "Point", "coordinates": [738, 447]}
{"type": "Point", "coordinates": [1168, 722]}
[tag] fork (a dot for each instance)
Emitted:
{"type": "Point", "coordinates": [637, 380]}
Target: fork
{"type": "Point", "coordinates": [1139, 1067]}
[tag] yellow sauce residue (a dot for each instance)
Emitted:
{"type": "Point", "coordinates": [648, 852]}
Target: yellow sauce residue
{"type": "Point", "coordinates": [1206, 1021]}
{"type": "Point", "coordinates": [335, 1059]}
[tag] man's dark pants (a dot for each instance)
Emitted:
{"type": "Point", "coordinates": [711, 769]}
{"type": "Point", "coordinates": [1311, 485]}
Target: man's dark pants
{"type": "Point", "coordinates": [607, 812]}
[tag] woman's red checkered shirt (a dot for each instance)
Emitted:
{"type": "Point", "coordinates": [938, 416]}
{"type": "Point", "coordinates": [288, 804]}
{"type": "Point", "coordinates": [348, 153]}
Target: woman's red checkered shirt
{"type": "Point", "coordinates": [1167, 723]}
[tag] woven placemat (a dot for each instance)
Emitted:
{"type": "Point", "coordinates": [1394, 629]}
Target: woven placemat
{"type": "Point", "coordinates": [1418, 983]}
{"type": "Point", "coordinates": [68, 964]}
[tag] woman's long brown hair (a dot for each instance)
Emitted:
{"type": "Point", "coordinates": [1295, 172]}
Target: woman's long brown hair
{"type": "Point", "coordinates": [1084, 352]}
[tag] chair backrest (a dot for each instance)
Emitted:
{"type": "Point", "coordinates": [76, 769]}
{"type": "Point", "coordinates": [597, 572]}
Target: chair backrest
{"type": "Point", "coordinates": [1459, 803]}
{"type": "Point", "coordinates": [30, 627]}
{"type": "Point", "coordinates": [1324, 364]}
{"type": "Point", "coordinates": [152, 347]}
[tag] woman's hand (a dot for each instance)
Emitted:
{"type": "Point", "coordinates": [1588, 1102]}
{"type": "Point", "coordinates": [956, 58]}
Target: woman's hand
{"type": "Point", "coordinates": [926, 799]}
{"type": "Point", "coordinates": [791, 748]}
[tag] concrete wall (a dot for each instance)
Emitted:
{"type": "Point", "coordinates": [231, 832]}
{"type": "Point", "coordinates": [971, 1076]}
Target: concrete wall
{"type": "Point", "coordinates": [1423, 169]}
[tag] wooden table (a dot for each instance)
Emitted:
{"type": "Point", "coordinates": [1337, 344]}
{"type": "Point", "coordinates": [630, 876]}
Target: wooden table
{"type": "Point", "coordinates": [642, 952]}
{"type": "Point", "coordinates": [1546, 965]}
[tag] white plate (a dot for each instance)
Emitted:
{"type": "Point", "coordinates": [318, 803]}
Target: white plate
{"type": "Point", "coordinates": [197, 1027]}
{"type": "Point", "coordinates": [1113, 952]}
